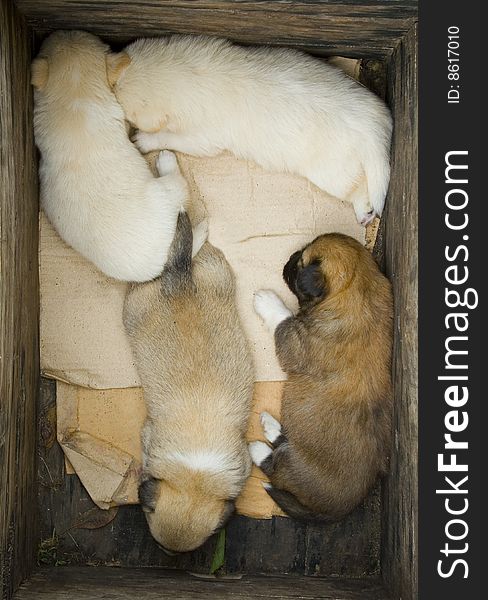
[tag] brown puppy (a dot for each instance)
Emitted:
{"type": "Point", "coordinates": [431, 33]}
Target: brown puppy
{"type": "Point", "coordinates": [334, 440]}
{"type": "Point", "coordinates": [196, 372]}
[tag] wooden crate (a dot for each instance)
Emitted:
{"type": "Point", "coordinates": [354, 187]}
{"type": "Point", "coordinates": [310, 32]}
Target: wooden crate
{"type": "Point", "coordinates": [362, 556]}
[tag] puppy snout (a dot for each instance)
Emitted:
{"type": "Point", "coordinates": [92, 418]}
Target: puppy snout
{"type": "Point", "coordinates": [290, 271]}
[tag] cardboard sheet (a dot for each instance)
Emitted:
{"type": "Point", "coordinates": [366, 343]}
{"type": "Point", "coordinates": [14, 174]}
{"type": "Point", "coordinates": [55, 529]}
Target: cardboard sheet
{"type": "Point", "coordinates": [82, 335]}
{"type": "Point", "coordinates": [257, 218]}
{"type": "Point", "coordinates": [99, 431]}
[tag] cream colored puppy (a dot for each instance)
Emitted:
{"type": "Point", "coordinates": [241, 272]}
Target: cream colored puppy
{"type": "Point", "coordinates": [278, 107]}
{"type": "Point", "coordinates": [96, 188]}
{"type": "Point", "coordinates": [196, 372]}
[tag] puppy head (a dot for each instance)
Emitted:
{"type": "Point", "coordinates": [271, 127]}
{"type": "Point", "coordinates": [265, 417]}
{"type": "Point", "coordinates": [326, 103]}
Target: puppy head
{"type": "Point", "coordinates": [65, 59]}
{"type": "Point", "coordinates": [182, 517]}
{"type": "Point", "coordinates": [135, 90]}
{"type": "Point", "coordinates": [306, 281]}
{"type": "Point", "coordinates": [325, 267]}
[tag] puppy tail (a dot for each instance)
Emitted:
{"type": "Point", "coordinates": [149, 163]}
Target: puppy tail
{"type": "Point", "coordinates": [178, 265]}
{"type": "Point", "coordinates": [293, 507]}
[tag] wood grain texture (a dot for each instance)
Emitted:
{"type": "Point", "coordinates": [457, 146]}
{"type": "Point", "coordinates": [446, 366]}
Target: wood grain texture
{"type": "Point", "coordinates": [373, 74]}
{"type": "Point", "coordinates": [19, 309]}
{"type": "Point", "coordinates": [399, 555]}
{"type": "Point", "coordinates": [350, 28]}
{"type": "Point", "coordinates": [86, 583]}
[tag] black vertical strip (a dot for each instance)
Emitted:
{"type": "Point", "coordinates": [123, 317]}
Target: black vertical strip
{"type": "Point", "coordinates": [452, 263]}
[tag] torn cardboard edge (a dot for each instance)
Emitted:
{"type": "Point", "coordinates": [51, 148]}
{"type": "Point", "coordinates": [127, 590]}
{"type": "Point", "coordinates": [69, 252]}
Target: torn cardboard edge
{"type": "Point", "coordinates": [99, 432]}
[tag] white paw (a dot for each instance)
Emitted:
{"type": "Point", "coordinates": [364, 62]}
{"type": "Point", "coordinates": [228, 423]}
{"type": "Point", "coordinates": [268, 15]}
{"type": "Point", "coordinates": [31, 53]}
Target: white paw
{"type": "Point", "coordinates": [365, 213]}
{"type": "Point", "coordinates": [259, 452]}
{"type": "Point", "coordinates": [200, 235]}
{"type": "Point", "coordinates": [270, 308]}
{"type": "Point", "coordinates": [271, 427]}
{"type": "Point", "coordinates": [166, 163]}
{"type": "Point", "coordinates": [146, 142]}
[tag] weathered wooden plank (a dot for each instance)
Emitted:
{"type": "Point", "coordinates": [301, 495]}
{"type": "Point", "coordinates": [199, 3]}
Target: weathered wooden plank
{"type": "Point", "coordinates": [19, 290]}
{"type": "Point", "coordinates": [399, 550]}
{"type": "Point", "coordinates": [86, 583]}
{"type": "Point", "coordinates": [372, 74]}
{"type": "Point", "coordinates": [366, 28]}
{"type": "Point", "coordinates": [349, 548]}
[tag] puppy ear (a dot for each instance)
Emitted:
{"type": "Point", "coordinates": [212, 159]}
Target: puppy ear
{"type": "Point", "coordinates": [290, 270]}
{"type": "Point", "coordinates": [229, 510]}
{"type": "Point", "coordinates": [310, 281]}
{"type": "Point", "coordinates": [116, 64]}
{"type": "Point", "coordinates": [39, 73]}
{"type": "Point", "coordinates": [148, 494]}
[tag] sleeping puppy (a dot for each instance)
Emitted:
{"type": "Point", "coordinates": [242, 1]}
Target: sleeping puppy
{"type": "Point", "coordinates": [197, 376]}
{"type": "Point", "coordinates": [283, 109]}
{"type": "Point", "coordinates": [334, 438]}
{"type": "Point", "coordinates": [96, 188]}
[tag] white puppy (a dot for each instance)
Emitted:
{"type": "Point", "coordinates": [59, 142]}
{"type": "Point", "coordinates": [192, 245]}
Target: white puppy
{"type": "Point", "coordinates": [96, 188]}
{"type": "Point", "coordinates": [278, 107]}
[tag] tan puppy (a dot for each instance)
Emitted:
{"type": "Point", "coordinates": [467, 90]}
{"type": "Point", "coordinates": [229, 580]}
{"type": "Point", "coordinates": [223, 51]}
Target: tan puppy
{"type": "Point", "coordinates": [334, 440]}
{"type": "Point", "coordinates": [196, 371]}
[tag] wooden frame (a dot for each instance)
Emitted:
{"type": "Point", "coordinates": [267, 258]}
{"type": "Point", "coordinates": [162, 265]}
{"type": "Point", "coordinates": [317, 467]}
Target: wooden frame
{"type": "Point", "coordinates": [381, 29]}
{"type": "Point", "coordinates": [19, 306]}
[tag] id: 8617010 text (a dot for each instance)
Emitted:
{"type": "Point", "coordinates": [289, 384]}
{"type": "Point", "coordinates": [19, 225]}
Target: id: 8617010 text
{"type": "Point", "coordinates": [453, 65]}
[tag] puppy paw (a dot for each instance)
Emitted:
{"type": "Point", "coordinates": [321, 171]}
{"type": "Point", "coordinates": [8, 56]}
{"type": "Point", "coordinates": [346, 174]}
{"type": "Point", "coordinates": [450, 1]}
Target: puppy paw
{"type": "Point", "coordinates": [271, 427]}
{"type": "Point", "coordinates": [166, 163]}
{"type": "Point", "coordinates": [367, 218]}
{"type": "Point", "coordinates": [270, 308]}
{"type": "Point", "coordinates": [200, 235]}
{"type": "Point", "coordinates": [259, 452]}
{"type": "Point", "coordinates": [365, 213]}
{"type": "Point", "coordinates": [147, 142]}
